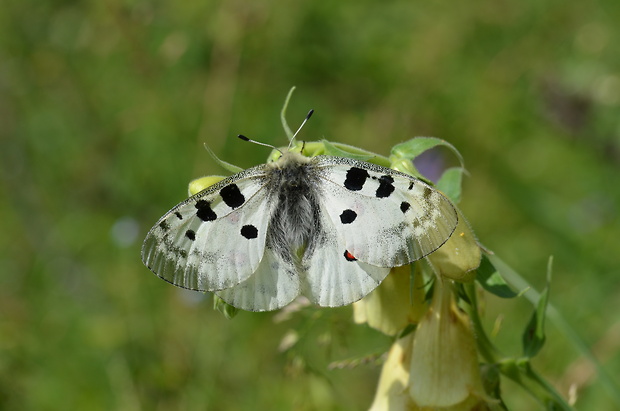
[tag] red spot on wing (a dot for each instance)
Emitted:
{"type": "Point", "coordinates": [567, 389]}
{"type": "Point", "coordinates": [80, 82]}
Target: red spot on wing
{"type": "Point", "coordinates": [349, 256]}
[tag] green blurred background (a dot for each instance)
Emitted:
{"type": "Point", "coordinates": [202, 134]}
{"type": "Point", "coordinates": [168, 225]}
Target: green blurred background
{"type": "Point", "coordinates": [104, 109]}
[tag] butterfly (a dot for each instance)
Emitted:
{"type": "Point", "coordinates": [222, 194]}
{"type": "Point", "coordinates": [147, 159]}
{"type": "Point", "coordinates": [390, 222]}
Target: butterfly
{"type": "Point", "coordinates": [326, 227]}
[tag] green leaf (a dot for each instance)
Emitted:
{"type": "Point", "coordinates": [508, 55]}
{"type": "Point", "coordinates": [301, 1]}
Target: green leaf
{"type": "Point", "coordinates": [534, 333]}
{"type": "Point", "coordinates": [491, 280]}
{"type": "Point", "coordinates": [417, 145]}
{"type": "Point", "coordinates": [521, 372]}
{"type": "Point", "coordinates": [450, 183]}
{"type": "Point", "coordinates": [565, 328]}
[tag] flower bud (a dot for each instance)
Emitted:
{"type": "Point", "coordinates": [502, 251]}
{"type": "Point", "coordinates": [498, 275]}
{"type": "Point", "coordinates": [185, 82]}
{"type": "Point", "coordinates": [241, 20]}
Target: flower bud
{"type": "Point", "coordinates": [199, 184]}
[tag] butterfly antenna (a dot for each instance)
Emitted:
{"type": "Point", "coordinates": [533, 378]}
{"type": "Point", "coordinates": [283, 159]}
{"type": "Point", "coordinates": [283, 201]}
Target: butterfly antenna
{"type": "Point", "coordinates": [244, 138]}
{"type": "Point", "coordinates": [300, 127]}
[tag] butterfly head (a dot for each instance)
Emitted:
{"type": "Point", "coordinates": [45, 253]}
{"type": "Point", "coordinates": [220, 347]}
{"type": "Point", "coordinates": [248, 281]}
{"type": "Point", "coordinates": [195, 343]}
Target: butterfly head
{"type": "Point", "coordinates": [289, 158]}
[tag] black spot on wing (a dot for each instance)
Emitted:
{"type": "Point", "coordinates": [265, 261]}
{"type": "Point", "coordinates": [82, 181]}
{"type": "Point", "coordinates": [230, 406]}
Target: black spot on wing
{"type": "Point", "coordinates": [404, 206]}
{"type": "Point", "coordinates": [411, 184]}
{"type": "Point", "coordinates": [348, 216]}
{"type": "Point", "coordinates": [427, 193]}
{"type": "Point", "coordinates": [356, 177]}
{"type": "Point", "coordinates": [386, 188]}
{"type": "Point", "coordinates": [348, 256]}
{"type": "Point", "coordinates": [249, 231]}
{"type": "Point", "coordinates": [232, 196]}
{"type": "Point", "coordinates": [179, 216]}
{"type": "Point", "coordinates": [164, 225]}
{"type": "Point", "coordinates": [191, 234]}
{"type": "Point", "coordinates": [205, 213]}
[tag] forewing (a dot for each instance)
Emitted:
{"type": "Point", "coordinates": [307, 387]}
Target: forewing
{"type": "Point", "coordinates": [216, 238]}
{"type": "Point", "coordinates": [333, 277]}
{"type": "Point", "coordinates": [385, 218]}
{"type": "Point", "coordinates": [273, 285]}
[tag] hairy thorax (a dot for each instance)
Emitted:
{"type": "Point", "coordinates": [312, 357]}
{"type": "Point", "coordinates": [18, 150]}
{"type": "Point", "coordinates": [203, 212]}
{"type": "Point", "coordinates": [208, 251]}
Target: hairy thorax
{"type": "Point", "coordinates": [295, 224]}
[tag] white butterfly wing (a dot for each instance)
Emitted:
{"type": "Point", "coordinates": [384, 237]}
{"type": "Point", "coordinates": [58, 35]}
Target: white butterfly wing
{"type": "Point", "coordinates": [334, 278]}
{"type": "Point", "coordinates": [273, 285]}
{"type": "Point", "coordinates": [370, 219]}
{"type": "Point", "coordinates": [216, 238]}
{"type": "Point", "coordinates": [384, 217]}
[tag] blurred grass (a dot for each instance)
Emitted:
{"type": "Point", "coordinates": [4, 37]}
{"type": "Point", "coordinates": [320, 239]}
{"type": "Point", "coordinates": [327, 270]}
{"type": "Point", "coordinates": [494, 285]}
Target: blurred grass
{"type": "Point", "coordinates": [104, 108]}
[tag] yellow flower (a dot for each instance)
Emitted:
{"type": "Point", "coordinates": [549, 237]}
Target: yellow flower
{"type": "Point", "coordinates": [444, 370]}
{"type": "Point", "coordinates": [393, 305]}
{"type": "Point", "coordinates": [435, 368]}
{"type": "Point", "coordinates": [392, 393]}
